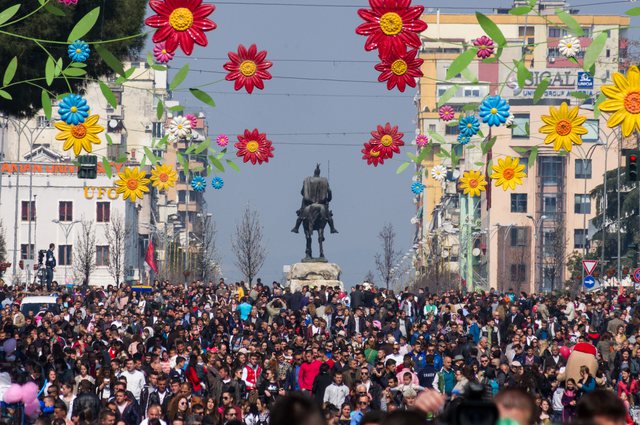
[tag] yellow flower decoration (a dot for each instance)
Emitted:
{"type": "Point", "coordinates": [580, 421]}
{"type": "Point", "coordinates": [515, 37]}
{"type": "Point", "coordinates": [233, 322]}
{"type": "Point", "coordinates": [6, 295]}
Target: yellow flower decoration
{"type": "Point", "coordinates": [508, 173]}
{"type": "Point", "coordinates": [132, 183]}
{"type": "Point", "coordinates": [564, 127]}
{"type": "Point", "coordinates": [164, 176]}
{"type": "Point", "coordinates": [473, 183]}
{"type": "Point", "coordinates": [624, 101]}
{"type": "Point", "coordinates": [79, 136]}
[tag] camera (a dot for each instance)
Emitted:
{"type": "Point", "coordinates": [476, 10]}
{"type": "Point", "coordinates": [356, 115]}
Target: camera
{"type": "Point", "coordinates": [41, 255]}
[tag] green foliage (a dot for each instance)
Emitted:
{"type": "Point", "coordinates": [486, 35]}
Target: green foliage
{"type": "Point", "coordinates": [491, 29]}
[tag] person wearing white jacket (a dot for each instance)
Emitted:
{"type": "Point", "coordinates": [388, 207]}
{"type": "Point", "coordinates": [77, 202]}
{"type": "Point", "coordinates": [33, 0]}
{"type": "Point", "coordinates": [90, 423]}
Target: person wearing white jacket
{"type": "Point", "coordinates": [337, 392]}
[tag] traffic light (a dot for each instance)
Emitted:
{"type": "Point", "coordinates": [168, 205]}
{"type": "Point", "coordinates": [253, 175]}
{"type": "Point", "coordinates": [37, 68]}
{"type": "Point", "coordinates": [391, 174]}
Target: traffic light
{"type": "Point", "coordinates": [87, 167]}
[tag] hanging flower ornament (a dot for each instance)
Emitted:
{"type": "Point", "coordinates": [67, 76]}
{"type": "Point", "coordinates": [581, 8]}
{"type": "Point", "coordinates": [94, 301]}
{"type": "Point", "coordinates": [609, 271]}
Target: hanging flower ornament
{"type": "Point", "coordinates": [508, 173]}
{"type": "Point", "coordinates": [388, 139]}
{"type": "Point", "coordinates": [78, 51]}
{"type": "Point", "coordinates": [473, 183]}
{"type": "Point", "coordinates": [217, 183]}
{"type": "Point", "coordinates": [494, 111]}
{"type": "Point", "coordinates": [132, 183]}
{"type": "Point", "coordinates": [422, 140]}
{"type": "Point", "coordinates": [193, 120]}
{"type": "Point", "coordinates": [417, 188]}
{"type": "Point", "coordinates": [68, 2]}
{"type": "Point", "coordinates": [372, 154]}
{"type": "Point", "coordinates": [563, 127]}
{"type": "Point", "coordinates": [161, 54]}
{"type": "Point", "coordinates": [253, 146]}
{"type": "Point", "coordinates": [248, 68]}
{"type": "Point", "coordinates": [569, 46]}
{"type": "Point", "coordinates": [198, 183]}
{"type": "Point", "coordinates": [164, 176]}
{"type": "Point", "coordinates": [463, 140]}
{"type": "Point", "coordinates": [391, 24]}
{"type": "Point", "coordinates": [510, 120]}
{"type": "Point", "coordinates": [222, 140]}
{"type": "Point", "coordinates": [180, 23]}
{"type": "Point", "coordinates": [485, 46]}
{"type": "Point", "coordinates": [73, 109]}
{"type": "Point", "coordinates": [469, 126]}
{"type": "Point", "coordinates": [79, 136]}
{"type": "Point", "coordinates": [439, 173]}
{"type": "Point", "coordinates": [180, 127]}
{"type": "Point", "coordinates": [447, 113]}
{"type": "Point", "coordinates": [623, 101]}
{"type": "Point", "coordinates": [400, 69]}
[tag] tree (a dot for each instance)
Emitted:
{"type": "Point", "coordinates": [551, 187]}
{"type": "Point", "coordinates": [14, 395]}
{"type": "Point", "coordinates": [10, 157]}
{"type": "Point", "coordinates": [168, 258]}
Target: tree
{"type": "Point", "coordinates": [386, 260]}
{"type": "Point", "coordinates": [3, 244]}
{"type": "Point", "coordinates": [369, 278]}
{"type": "Point", "coordinates": [209, 263]}
{"type": "Point", "coordinates": [247, 244]}
{"type": "Point", "coordinates": [115, 233]}
{"type": "Point", "coordinates": [84, 256]}
{"type": "Point", "coordinates": [554, 261]}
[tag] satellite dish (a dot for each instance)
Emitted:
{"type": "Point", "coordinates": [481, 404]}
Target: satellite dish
{"type": "Point", "coordinates": [455, 174]}
{"type": "Point", "coordinates": [444, 254]}
{"type": "Point", "coordinates": [475, 252]}
{"type": "Point", "coordinates": [414, 220]}
{"type": "Point", "coordinates": [113, 123]}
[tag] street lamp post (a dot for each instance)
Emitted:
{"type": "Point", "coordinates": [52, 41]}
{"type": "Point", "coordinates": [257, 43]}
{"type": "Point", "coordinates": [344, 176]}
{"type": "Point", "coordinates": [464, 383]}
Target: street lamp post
{"type": "Point", "coordinates": [66, 228]}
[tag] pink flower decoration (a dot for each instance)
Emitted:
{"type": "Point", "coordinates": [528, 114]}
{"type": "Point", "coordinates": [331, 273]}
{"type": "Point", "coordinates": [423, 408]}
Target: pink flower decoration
{"type": "Point", "coordinates": [422, 140]}
{"type": "Point", "coordinates": [161, 53]}
{"type": "Point", "coordinates": [193, 120]}
{"type": "Point", "coordinates": [485, 46]}
{"type": "Point", "coordinates": [447, 113]}
{"type": "Point", "coordinates": [222, 140]}
{"type": "Point", "coordinates": [68, 2]}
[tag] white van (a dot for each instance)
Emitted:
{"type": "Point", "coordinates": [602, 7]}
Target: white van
{"type": "Point", "coordinates": [36, 304]}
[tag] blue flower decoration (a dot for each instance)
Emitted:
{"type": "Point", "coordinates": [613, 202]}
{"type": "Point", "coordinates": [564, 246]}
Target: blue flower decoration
{"type": "Point", "coordinates": [463, 140]}
{"type": "Point", "coordinates": [417, 188]}
{"type": "Point", "coordinates": [469, 126]}
{"type": "Point", "coordinates": [79, 51]}
{"type": "Point", "coordinates": [73, 109]}
{"type": "Point", "coordinates": [494, 111]}
{"type": "Point", "coordinates": [217, 183]}
{"type": "Point", "coordinates": [198, 183]}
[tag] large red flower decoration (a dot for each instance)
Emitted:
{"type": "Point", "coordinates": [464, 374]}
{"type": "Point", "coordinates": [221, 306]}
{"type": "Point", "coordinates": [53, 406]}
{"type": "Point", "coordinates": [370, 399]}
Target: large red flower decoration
{"type": "Point", "coordinates": [391, 23]}
{"type": "Point", "coordinates": [388, 139]}
{"type": "Point", "coordinates": [372, 154]}
{"type": "Point", "coordinates": [248, 68]}
{"type": "Point", "coordinates": [181, 23]}
{"type": "Point", "coordinates": [253, 146]}
{"type": "Point", "coordinates": [401, 69]}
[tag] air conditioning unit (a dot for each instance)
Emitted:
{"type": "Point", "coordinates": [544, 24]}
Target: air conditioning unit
{"type": "Point", "coordinates": [552, 60]}
{"type": "Point", "coordinates": [115, 124]}
{"type": "Point", "coordinates": [148, 128]}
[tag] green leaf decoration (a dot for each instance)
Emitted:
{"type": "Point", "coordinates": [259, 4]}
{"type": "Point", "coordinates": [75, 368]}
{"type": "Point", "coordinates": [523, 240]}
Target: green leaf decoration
{"type": "Point", "coordinates": [533, 3]}
{"type": "Point", "coordinates": [454, 158]}
{"type": "Point", "coordinates": [542, 87]}
{"type": "Point", "coordinates": [635, 11]}
{"type": "Point", "coordinates": [461, 62]}
{"type": "Point", "coordinates": [148, 154]}
{"type": "Point", "coordinates": [216, 163]}
{"type": "Point", "coordinates": [412, 157]}
{"type": "Point", "coordinates": [53, 9]}
{"type": "Point", "coordinates": [491, 29]}
{"type": "Point", "coordinates": [107, 167]}
{"type": "Point", "coordinates": [159, 109]}
{"type": "Point", "coordinates": [122, 158]}
{"type": "Point", "coordinates": [202, 146]}
{"type": "Point", "coordinates": [74, 72]}
{"type": "Point", "coordinates": [10, 72]}
{"type": "Point", "coordinates": [78, 65]}
{"type": "Point", "coordinates": [46, 104]}
{"type": "Point", "coordinates": [523, 73]}
{"type": "Point", "coordinates": [58, 68]}
{"type": "Point", "coordinates": [203, 97]}
{"type": "Point", "coordinates": [437, 137]}
{"type": "Point", "coordinates": [494, 58]}
{"type": "Point", "coordinates": [573, 25]}
{"type": "Point", "coordinates": [579, 95]}
{"type": "Point", "coordinates": [487, 145]}
{"type": "Point", "coordinates": [109, 139]}
{"type": "Point", "coordinates": [593, 51]}
{"type": "Point", "coordinates": [49, 70]}
{"type": "Point", "coordinates": [157, 67]}
{"type": "Point", "coordinates": [479, 164]}
{"type": "Point", "coordinates": [84, 25]}
{"type": "Point", "coordinates": [402, 167]}
{"type": "Point", "coordinates": [108, 94]}
{"type": "Point", "coordinates": [127, 74]}
{"type": "Point", "coordinates": [532, 157]}
{"type": "Point", "coordinates": [179, 77]}
{"type": "Point", "coordinates": [520, 10]}
{"type": "Point", "coordinates": [149, 59]}
{"type": "Point", "coordinates": [469, 75]}
{"type": "Point", "coordinates": [109, 59]}
{"type": "Point", "coordinates": [5, 95]}
{"type": "Point", "coordinates": [470, 107]}
{"type": "Point", "coordinates": [447, 95]}
{"type": "Point", "coordinates": [423, 154]}
{"type": "Point", "coordinates": [233, 165]}
{"type": "Point", "coordinates": [177, 108]}
{"type": "Point", "coordinates": [8, 13]}
{"type": "Point", "coordinates": [596, 106]}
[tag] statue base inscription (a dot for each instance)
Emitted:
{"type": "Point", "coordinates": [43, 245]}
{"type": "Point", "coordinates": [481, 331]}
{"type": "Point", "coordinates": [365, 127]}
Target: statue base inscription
{"type": "Point", "coordinates": [314, 275]}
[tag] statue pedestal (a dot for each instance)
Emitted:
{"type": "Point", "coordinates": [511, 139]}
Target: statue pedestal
{"type": "Point", "coordinates": [315, 275]}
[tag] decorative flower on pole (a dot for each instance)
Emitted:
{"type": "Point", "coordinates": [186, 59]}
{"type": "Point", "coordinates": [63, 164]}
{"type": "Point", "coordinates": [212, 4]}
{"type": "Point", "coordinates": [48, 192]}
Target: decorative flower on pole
{"type": "Point", "coordinates": [248, 68]}
{"type": "Point", "coordinates": [563, 127]}
{"type": "Point", "coordinates": [494, 111]}
{"type": "Point", "coordinates": [79, 136]}
{"type": "Point", "coordinates": [372, 154]}
{"type": "Point", "coordinates": [400, 69]}
{"type": "Point", "coordinates": [180, 127]}
{"type": "Point", "coordinates": [485, 46]}
{"type": "Point", "coordinates": [623, 101]}
{"type": "Point", "coordinates": [439, 173]}
{"type": "Point", "coordinates": [253, 146]}
{"type": "Point", "coordinates": [469, 126]}
{"type": "Point", "coordinates": [78, 51]}
{"type": "Point", "coordinates": [73, 109]}
{"type": "Point", "coordinates": [198, 183]}
{"type": "Point", "coordinates": [391, 24]}
{"type": "Point", "coordinates": [217, 183]}
{"type": "Point", "coordinates": [569, 46]}
{"type": "Point", "coordinates": [181, 23]}
{"type": "Point", "coordinates": [388, 139]}
{"type": "Point", "coordinates": [510, 120]}
{"type": "Point", "coordinates": [422, 140]}
{"type": "Point", "coordinates": [463, 140]}
{"type": "Point", "coordinates": [193, 120]}
{"type": "Point", "coordinates": [132, 183]}
{"type": "Point", "coordinates": [417, 188]}
{"type": "Point", "coordinates": [508, 173]}
{"type": "Point", "coordinates": [68, 2]}
{"type": "Point", "coordinates": [161, 54]}
{"type": "Point", "coordinates": [222, 140]}
{"type": "Point", "coordinates": [447, 113]}
{"type": "Point", "coordinates": [473, 183]}
{"type": "Point", "coordinates": [163, 176]}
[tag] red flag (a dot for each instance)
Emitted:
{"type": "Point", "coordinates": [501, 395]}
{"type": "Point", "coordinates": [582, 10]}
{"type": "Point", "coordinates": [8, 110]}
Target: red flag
{"type": "Point", "coordinates": [149, 259]}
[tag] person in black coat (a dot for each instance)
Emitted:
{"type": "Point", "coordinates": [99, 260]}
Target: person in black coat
{"type": "Point", "coordinates": [320, 384]}
{"type": "Point", "coordinates": [86, 404]}
{"type": "Point", "coordinates": [127, 411]}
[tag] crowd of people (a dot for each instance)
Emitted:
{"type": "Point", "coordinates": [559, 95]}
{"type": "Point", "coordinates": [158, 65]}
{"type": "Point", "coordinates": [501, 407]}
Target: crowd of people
{"type": "Point", "coordinates": [226, 354]}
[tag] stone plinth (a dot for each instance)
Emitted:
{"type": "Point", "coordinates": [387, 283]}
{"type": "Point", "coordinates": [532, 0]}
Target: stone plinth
{"type": "Point", "coordinates": [314, 274]}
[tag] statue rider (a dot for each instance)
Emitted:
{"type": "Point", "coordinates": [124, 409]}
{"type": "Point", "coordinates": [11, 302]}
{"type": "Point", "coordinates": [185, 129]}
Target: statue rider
{"type": "Point", "coordinates": [315, 190]}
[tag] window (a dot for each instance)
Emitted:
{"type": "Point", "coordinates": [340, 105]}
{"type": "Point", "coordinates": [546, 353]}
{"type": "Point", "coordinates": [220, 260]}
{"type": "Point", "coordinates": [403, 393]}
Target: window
{"type": "Point", "coordinates": [64, 255]}
{"type": "Point", "coordinates": [548, 241]}
{"type": "Point", "coordinates": [518, 202]}
{"type": "Point", "coordinates": [520, 127]}
{"type": "Point", "coordinates": [593, 129]}
{"type": "Point", "coordinates": [65, 211]}
{"type": "Point", "coordinates": [583, 168]}
{"type": "Point", "coordinates": [432, 127]}
{"type": "Point", "coordinates": [471, 92]}
{"type": "Point", "coordinates": [582, 204]}
{"type": "Point", "coordinates": [25, 252]}
{"type": "Point", "coordinates": [579, 238]}
{"type": "Point", "coordinates": [524, 31]}
{"type": "Point", "coordinates": [28, 210]}
{"type": "Point", "coordinates": [102, 255]}
{"type": "Point", "coordinates": [451, 130]}
{"type": "Point", "coordinates": [553, 52]}
{"type": "Point", "coordinates": [518, 272]}
{"type": "Point", "coordinates": [587, 32]}
{"type": "Point", "coordinates": [43, 122]}
{"type": "Point", "coordinates": [556, 32]}
{"type": "Point", "coordinates": [103, 212]}
{"type": "Point", "coordinates": [551, 169]}
{"type": "Point", "coordinates": [550, 204]}
{"type": "Point", "coordinates": [518, 236]}
{"type": "Point", "coordinates": [182, 196]}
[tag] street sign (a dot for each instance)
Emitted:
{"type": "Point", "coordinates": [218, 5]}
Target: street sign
{"type": "Point", "coordinates": [589, 282]}
{"type": "Point", "coordinates": [589, 266]}
{"type": "Point", "coordinates": [636, 275]}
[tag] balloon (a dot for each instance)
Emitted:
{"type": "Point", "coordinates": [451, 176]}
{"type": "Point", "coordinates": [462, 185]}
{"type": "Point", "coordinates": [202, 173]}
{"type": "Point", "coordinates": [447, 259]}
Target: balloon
{"type": "Point", "coordinates": [565, 351]}
{"type": "Point", "coordinates": [32, 409]}
{"type": "Point", "coordinates": [29, 392]}
{"type": "Point", "coordinates": [9, 346]}
{"type": "Point", "coordinates": [13, 394]}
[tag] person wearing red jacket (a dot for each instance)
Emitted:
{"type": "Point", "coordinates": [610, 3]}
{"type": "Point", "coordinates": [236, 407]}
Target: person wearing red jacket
{"type": "Point", "coordinates": [192, 376]}
{"type": "Point", "coordinates": [308, 372]}
{"type": "Point", "coordinates": [252, 372]}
